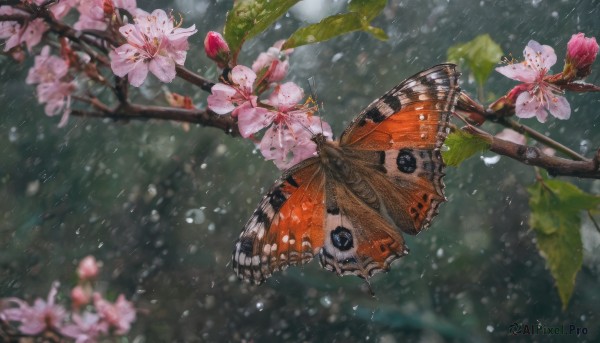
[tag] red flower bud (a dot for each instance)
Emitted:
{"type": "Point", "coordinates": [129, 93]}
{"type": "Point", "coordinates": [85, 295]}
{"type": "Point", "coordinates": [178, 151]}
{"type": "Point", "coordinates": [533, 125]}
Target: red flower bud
{"type": "Point", "coordinates": [581, 54]}
{"type": "Point", "coordinates": [216, 48]}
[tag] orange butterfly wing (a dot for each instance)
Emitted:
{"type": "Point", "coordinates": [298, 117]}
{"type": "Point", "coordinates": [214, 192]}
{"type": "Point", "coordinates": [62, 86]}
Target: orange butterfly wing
{"type": "Point", "coordinates": [413, 114]}
{"type": "Point", "coordinates": [286, 228]}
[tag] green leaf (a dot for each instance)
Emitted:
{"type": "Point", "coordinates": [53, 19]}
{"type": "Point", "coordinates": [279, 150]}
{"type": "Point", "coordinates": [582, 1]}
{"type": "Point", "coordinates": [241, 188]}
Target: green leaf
{"type": "Point", "coordinates": [251, 17]}
{"type": "Point", "coordinates": [481, 54]}
{"type": "Point", "coordinates": [462, 145]}
{"type": "Point", "coordinates": [556, 208]}
{"type": "Point", "coordinates": [330, 27]}
{"type": "Point", "coordinates": [368, 8]}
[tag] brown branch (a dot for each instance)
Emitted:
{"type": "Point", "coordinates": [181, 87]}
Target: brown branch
{"type": "Point", "coordinates": [194, 78]}
{"type": "Point", "coordinates": [142, 112]}
{"type": "Point", "coordinates": [535, 157]}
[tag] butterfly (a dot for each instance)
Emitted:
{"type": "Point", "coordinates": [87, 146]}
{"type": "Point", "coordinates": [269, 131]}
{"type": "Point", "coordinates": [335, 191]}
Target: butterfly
{"type": "Point", "coordinates": [349, 204]}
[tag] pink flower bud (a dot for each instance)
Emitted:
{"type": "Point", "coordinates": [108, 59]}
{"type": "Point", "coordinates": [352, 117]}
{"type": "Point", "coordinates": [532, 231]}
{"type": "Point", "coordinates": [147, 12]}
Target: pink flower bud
{"type": "Point", "coordinates": [216, 48]}
{"type": "Point", "coordinates": [79, 296]}
{"type": "Point", "coordinates": [88, 268]}
{"type": "Point", "coordinates": [581, 54]}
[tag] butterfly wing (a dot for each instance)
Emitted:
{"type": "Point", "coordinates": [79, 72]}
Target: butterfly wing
{"type": "Point", "coordinates": [413, 114]}
{"type": "Point", "coordinates": [396, 140]}
{"type": "Point", "coordinates": [357, 241]}
{"type": "Point", "coordinates": [286, 228]}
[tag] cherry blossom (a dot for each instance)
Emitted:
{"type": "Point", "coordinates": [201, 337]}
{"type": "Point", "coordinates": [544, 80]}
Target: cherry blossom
{"type": "Point", "coordinates": [86, 328]}
{"type": "Point", "coordinates": [80, 296]}
{"type": "Point", "coordinates": [57, 97]}
{"type": "Point", "coordinates": [153, 43]}
{"type": "Point", "coordinates": [540, 96]}
{"type": "Point", "coordinates": [226, 98]}
{"type": "Point", "coordinates": [274, 61]}
{"type": "Point", "coordinates": [43, 315]}
{"type": "Point", "coordinates": [581, 54]}
{"type": "Point", "coordinates": [119, 315]}
{"type": "Point", "coordinates": [216, 48]}
{"type": "Point", "coordinates": [288, 140]}
{"type": "Point", "coordinates": [93, 15]}
{"type": "Point", "coordinates": [17, 34]}
{"type": "Point", "coordinates": [47, 68]}
{"type": "Point", "coordinates": [88, 268]}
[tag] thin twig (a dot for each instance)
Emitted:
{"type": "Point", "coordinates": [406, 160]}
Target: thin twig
{"type": "Point", "coordinates": [194, 78]}
{"type": "Point", "coordinates": [589, 212]}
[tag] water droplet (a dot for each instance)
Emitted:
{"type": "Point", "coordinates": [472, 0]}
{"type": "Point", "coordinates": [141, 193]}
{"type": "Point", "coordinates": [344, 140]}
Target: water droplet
{"type": "Point", "coordinates": [78, 231]}
{"type": "Point", "coordinates": [421, 117]}
{"type": "Point", "coordinates": [211, 227]}
{"type": "Point", "coordinates": [185, 313]}
{"type": "Point", "coordinates": [203, 166]}
{"type": "Point", "coordinates": [440, 253]}
{"type": "Point", "coordinates": [100, 245]}
{"type": "Point", "coordinates": [584, 146]}
{"type": "Point", "coordinates": [13, 136]}
{"type": "Point", "coordinates": [325, 301]}
{"type": "Point", "coordinates": [355, 307]}
{"type": "Point", "coordinates": [154, 216]}
{"type": "Point", "coordinates": [260, 306]}
{"type": "Point", "coordinates": [445, 147]}
{"type": "Point", "coordinates": [152, 191]}
{"type": "Point", "coordinates": [489, 328]}
{"type": "Point", "coordinates": [491, 160]}
{"type": "Point", "coordinates": [337, 57]}
{"type": "Point", "coordinates": [195, 216]}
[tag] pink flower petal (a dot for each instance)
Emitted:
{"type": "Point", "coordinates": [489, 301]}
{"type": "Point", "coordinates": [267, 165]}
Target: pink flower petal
{"type": "Point", "coordinates": [138, 74]}
{"type": "Point", "coordinates": [527, 106]}
{"type": "Point", "coordinates": [220, 101]}
{"type": "Point", "coordinates": [163, 68]}
{"type": "Point", "coordinates": [512, 136]}
{"type": "Point", "coordinates": [539, 56]}
{"type": "Point", "coordinates": [559, 107]}
{"type": "Point", "coordinates": [519, 72]}
{"type": "Point", "coordinates": [286, 96]}
{"type": "Point", "coordinates": [244, 77]}
{"type": "Point", "coordinates": [254, 119]}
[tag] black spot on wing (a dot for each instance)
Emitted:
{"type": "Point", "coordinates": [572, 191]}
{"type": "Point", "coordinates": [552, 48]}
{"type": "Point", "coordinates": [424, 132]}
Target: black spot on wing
{"type": "Point", "coordinates": [342, 238]}
{"type": "Point", "coordinates": [375, 115]}
{"type": "Point", "coordinates": [262, 217]}
{"type": "Point", "coordinates": [393, 102]}
{"type": "Point", "coordinates": [276, 199]}
{"type": "Point", "coordinates": [333, 210]}
{"type": "Point", "coordinates": [246, 245]}
{"type": "Point", "coordinates": [406, 161]}
{"type": "Point", "coordinates": [291, 181]}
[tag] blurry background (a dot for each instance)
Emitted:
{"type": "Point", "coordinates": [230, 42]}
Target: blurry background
{"type": "Point", "coordinates": [161, 207]}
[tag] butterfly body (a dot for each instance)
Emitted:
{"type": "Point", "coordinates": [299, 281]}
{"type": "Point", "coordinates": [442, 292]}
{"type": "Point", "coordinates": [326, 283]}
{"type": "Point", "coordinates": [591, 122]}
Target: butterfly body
{"type": "Point", "coordinates": [349, 204]}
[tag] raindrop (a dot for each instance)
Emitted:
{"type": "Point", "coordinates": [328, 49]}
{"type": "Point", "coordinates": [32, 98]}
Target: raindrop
{"type": "Point", "coordinates": [13, 136]}
{"type": "Point", "coordinates": [325, 301]}
{"type": "Point", "coordinates": [489, 328]}
{"type": "Point", "coordinates": [490, 161]}
{"type": "Point", "coordinates": [152, 191]}
{"type": "Point", "coordinates": [211, 227]}
{"type": "Point", "coordinates": [337, 57]}
{"type": "Point", "coordinates": [421, 117]}
{"type": "Point", "coordinates": [100, 245]}
{"type": "Point", "coordinates": [154, 216]}
{"type": "Point", "coordinates": [78, 231]}
{"type": "Point", "coordinates": [185, 313]}
{"type": "Point", "coordinates": [203, 166]}
{"type": "Point", "coordinates": [260, 306]}
{"type": "Point", "coordinates": [554, 14]}
{"type": "Point", "coordinates": [195, 216]}
{"type": "Point", "coordinates": [445, 147]}
{"type": "Point", "coordinates": [440, 253]}
{"type": "Point", "coordinates": [584, 146]}
{"type": "Point", "coordinates": [355, 307]}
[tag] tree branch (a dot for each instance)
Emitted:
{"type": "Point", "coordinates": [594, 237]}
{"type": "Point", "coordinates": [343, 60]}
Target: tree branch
{"type": "Point", "coordinates": [142, 112]}
{"type": "Point", "coordinates": [194, 78]}
{"type": "Point", "coordinates": [533, 156]}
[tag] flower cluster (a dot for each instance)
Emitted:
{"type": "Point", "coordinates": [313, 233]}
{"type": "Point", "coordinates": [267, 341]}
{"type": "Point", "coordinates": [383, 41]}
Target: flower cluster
{"type": "Point", "coordinates": [153, 43]}
{"type": "Point", "coordinates": [290, 124]}
{"type": "Point", "coordinates": [49, 72]}
{"type": "Point", "coordinates": [89, 319]}
{"type": "Point", "coordinates": [541, 93]}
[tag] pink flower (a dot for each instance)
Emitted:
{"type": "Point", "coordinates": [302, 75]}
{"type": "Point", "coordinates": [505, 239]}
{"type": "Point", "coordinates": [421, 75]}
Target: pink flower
{"type": "Point", "coordinates": [540, 97]}
{"type": "Point", "coordinates": [16, 34]}
{"type": "Point", "coordinates": [59, 9]}
{"type": "Point", "coordinates": [216, 48]}
{"type": "Point", "coordinates": [79, 296]}
{"type": "Point", "coordinates": [47, 68]}
{"type": "Point", "coordinates": [274, 63]}
{"type": "Point", "coordinates": [289, 140]}
{"type": "Point", "coordinates": [88, 268]}
{"type": "Point", "coordinates": [227, 98]}
{"type": "Point", "coordinates": [153, 43]}
{"type": "Point", "coordinates": [581, 54]}
{"type": "Point", "coordinates": [512, 136]}
{"type": "Point", "coordinates": [57, 97]}
{"type": "Point", "coordinates": [86, 328]}
{"type": "Point", "coordinates": [43, 315]}
{"type": "Point", "coordinates": [93, 15]}
{"type": "Point", "coordinates": [119, 315]}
